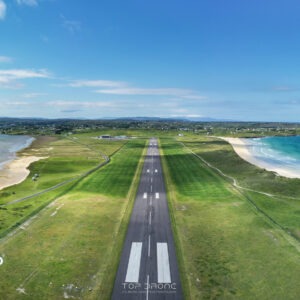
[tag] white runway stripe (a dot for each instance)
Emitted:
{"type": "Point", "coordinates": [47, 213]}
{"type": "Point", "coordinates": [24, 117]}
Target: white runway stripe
{"type": "Point", "coordinates": [145, 196]}
{"type": "Point", "coordinates": [133, 269]}
{"type": "Point", "coordinates": [156, 195]}
{"type": "Point", "coordinates": [163, 266]}
{"type": "Point", "coordinates": [156, 171]}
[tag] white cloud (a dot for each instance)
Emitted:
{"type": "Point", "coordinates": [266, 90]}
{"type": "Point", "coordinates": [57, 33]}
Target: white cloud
{"type": "Point", "coordinates": [9, 78]}
{"type": "Point", "coordinates": [28, 2]}
{"type": "Point", "coordinates": [71, 25]}
{"type": "Point", "coordinates": [33, 95]}
{"type": "Point", "coordinates": [182, 93]}
{"type": "Point", "coordinates": [64, 103]}
{"type": "Point", "coordinates": [283, 88]}
{"type": "Point", "coordinates": [97, 83]}
{"type": "Point", "coordinates": [123, 88]}
{"type": "Point", "coordinates": [5, 59]}
{"type": "Point", "coordinates": [2, 10]}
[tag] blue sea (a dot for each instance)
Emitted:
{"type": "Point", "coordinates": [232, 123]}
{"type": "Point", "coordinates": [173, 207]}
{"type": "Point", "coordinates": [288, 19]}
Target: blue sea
{"type": "Point", "coordinates": [279, 152]}
{"type": "Point", "coordinates": [10, 144]}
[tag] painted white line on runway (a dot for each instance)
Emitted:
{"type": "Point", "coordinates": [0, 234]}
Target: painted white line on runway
{"type": "Point", "coordinates": [149, 244]}
{"type": "Point", "coordinates": [156, 195]}
{"type": "Point", "coordinates": [151, 201]}
{"type": "Point", "coordinates": [148, 171]}
{"type": "Point", "coordinates": [163, 265]}
{"type": "Point", "coordinates": [156, 171]}
{"type": "Point", "coordinates": [150, 217]}
{"type": "Point", "coordinates": [151, 179]}
{"type": "Point", "coordinates": [145, 196]}
{"type": "Point", "coordinates": [133, 269]}
{"type": "Point", "coordinates": [147, 295]}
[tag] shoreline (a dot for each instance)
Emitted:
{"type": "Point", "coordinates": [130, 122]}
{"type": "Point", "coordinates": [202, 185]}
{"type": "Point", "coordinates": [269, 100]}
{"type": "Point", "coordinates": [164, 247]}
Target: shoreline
{"type": "Point", "coordinates": [16, 171]}
{"type": "Point", "coordinates": [241, 148]}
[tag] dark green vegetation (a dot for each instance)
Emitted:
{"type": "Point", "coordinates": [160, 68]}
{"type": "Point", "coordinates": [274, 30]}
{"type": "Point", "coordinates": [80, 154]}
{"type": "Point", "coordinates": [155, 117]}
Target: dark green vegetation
{"type": "Point", "coordinates": [227, 249]}
{"type": "Point", "coordinates": [145, 126]}
{"type": "Point", "coordinates": [71, 249]}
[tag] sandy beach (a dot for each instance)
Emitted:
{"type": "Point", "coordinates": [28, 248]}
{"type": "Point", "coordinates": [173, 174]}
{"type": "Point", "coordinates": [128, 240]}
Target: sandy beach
{"type": "Point", "coordinates": [241, 147]}
{"type": "Point", "coordinates": [16, 171]}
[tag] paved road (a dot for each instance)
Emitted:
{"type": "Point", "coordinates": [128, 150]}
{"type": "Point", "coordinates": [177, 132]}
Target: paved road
{"type": "Point", "coordinates": [148, 267]}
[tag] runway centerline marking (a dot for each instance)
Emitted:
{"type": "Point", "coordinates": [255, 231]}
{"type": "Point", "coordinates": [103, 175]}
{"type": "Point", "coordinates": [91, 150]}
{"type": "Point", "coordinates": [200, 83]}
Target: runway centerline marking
{"type": "Point", "coordinates": [163, 265]}
{"type": "Point", "coordinates": [156, 195]}
{"type": "Point", "coordinates": [156, 171]}
{"type": "Point", "coordinates": [150, 217]}
{"type": "Point", "coordinates": [147, 295]}
{"type": "Point", "coordinates": [133, 269]}
{"type": "Point", "coordinates": [149, 244]}
{"type": "Point", "coordinates": [145, 196]}
{"type": "Point", "coordinates": [148, 171]}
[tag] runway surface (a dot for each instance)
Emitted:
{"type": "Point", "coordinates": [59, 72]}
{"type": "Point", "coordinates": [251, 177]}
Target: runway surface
{"type": "Point", "coordinates": [148, 267]}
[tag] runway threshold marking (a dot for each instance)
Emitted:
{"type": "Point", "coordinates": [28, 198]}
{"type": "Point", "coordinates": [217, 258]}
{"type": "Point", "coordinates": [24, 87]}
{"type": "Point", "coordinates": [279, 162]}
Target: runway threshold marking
{"type": "Point", "coordinates": [133, 269]}
{"type": "Point", "coordinates": [156, 195]}
{"type": "Point", "coordinates": [163, 265]}
{"type": "Point", "coordinates": [145, 196]}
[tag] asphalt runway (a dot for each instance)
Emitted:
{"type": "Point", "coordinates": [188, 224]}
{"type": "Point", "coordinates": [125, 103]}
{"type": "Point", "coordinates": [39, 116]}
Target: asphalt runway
{"type": "Point", "coordinates": [148, 267]}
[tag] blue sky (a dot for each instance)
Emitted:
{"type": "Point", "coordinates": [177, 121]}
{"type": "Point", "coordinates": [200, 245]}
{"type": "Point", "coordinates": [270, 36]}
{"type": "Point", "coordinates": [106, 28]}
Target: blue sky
{"type": "Point", "coordinates": [233, 59]}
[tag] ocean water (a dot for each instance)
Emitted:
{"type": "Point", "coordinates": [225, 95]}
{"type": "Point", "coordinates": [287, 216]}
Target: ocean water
{"type": "Point", "coordinates": [281, 152]}
{"type": "Point", "coordinates": [10, 144]}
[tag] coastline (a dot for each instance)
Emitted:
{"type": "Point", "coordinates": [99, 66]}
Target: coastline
{"type": "Point", "coordinates": [241, 147]}
{"type": "Point", "coordinates": [16, 171]}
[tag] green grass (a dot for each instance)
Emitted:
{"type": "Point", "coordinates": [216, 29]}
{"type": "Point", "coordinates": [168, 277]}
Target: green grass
{"type": "Point", "coordinates": [283, 209]}
{"type": "Point", "coordinates": [227, 249]}
{"type": "Point", "coordinates": [67, 158]}
{"type": "Point", "coordinates": [115, 180]}
{"type": "Point", "coordinates": [72, 247]}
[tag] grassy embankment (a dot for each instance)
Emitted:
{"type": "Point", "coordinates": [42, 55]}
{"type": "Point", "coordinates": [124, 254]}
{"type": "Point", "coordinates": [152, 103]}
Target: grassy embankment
{"type": "Point", "coordinates": [72, 248]}
{"type": "Point", "coordinates": [67, 158]}
{"type": "Point", "coordinates": [227, 248]}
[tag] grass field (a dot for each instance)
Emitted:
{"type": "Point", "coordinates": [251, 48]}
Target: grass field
{"type": "Point", "coordinates": [72, 248]}
{"type": "Point", "coordinates": [284, 208]}
{"type": "Point", "coordinates": [226, 248]}
{"type": "Point", "coordinates": [68, 157]}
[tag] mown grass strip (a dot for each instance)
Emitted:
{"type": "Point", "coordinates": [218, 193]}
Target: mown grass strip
{"type": "Point", "coordinates": [171, 204]}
